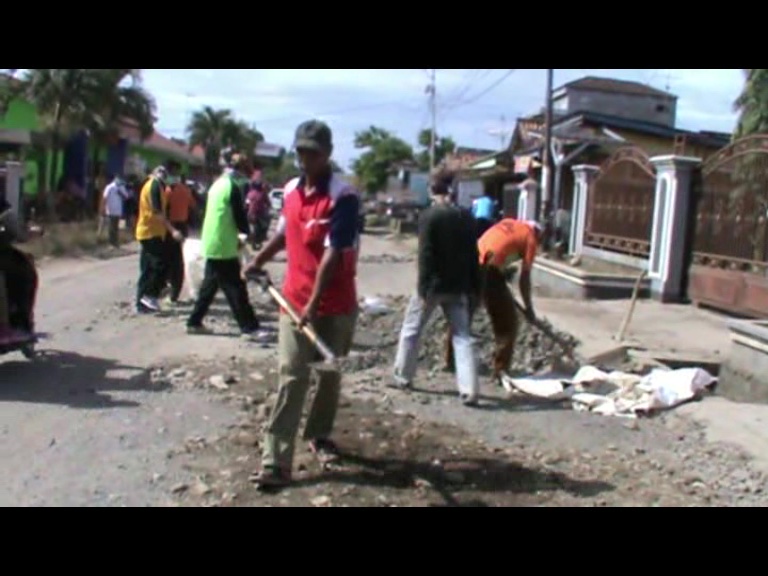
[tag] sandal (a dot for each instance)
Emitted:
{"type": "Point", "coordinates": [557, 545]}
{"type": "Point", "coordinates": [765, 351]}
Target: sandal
{"type": "Point", "coordinates": [325, 450]}
{"type": "Point", "coordinates": [271, 478]}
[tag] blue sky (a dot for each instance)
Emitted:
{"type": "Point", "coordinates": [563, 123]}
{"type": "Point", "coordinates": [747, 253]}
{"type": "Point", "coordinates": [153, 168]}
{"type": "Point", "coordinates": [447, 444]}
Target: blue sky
{"type": "Point", "coordinates": [471, 103]}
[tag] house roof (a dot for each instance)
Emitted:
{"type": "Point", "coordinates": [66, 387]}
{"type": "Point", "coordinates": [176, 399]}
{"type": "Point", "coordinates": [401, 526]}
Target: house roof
{"type": "Point", "coordinates": [462, 158]}
{"type": "Point", "coordinates": [708, 138]}
{"type": "Point", "coordinates": [478, 152]}
{"type": "Point", "coordinates": [615, 86]}
{"type": "Point", "coordinates": [569, 127]}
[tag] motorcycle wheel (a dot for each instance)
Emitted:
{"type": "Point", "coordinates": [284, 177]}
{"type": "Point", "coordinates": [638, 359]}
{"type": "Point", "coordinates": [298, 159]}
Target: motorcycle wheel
{"type": "Point", "coordinates": [29, 351]}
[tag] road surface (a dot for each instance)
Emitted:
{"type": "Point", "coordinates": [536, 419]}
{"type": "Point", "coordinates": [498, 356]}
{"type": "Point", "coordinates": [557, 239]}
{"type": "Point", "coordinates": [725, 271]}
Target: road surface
{"type": "Point", "coordinates": [86, 424]}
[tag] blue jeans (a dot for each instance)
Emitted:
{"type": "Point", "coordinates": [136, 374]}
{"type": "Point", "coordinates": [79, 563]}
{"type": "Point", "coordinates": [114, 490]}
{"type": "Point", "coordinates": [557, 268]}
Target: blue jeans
{"type": "Point", "coordinates": [418, 314]}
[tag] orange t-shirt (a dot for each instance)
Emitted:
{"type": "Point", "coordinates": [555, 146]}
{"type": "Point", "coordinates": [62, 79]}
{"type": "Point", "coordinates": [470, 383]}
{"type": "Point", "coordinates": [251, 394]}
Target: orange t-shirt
{"type": "Point", "coordinates": [180, 202]}
{"type": "Point", "coordinates": [507, 242]}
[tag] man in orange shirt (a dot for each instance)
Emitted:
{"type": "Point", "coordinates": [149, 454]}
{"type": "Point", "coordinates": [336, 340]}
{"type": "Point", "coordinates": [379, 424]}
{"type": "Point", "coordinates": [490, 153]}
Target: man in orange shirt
{"type": "Point", "coordinates": [181, 203]}
{"type": "Point", "coordinates": [502, 245]}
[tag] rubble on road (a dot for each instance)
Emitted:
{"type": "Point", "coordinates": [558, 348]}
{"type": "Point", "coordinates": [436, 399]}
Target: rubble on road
{"type": "Point", "coordinates": [619, 393]}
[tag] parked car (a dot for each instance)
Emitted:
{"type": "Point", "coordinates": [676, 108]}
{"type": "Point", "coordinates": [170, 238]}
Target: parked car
{"type": "Point", "coordinates": [276, 200]}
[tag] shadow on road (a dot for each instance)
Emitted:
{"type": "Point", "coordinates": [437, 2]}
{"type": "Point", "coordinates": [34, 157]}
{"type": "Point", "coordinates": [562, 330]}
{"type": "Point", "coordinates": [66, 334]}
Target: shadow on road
{"type": "Point", "coordinates": [69, 379]}
{"type": "Point", "coordinates": [220, 312]}
{"type": "Point", "coordinates": [484, 476]}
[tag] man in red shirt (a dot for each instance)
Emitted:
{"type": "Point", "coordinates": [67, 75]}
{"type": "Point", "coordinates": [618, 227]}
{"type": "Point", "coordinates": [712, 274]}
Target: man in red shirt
{"type": "Point", "coordinates": [318, 229]}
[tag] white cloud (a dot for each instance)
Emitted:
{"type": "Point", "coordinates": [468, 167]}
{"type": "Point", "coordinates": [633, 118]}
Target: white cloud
{"type": "Point", "coordinates": [276, 100]}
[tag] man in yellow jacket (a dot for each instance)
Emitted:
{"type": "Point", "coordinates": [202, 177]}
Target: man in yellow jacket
{"type": "Point", "coordinates": [151, 229]}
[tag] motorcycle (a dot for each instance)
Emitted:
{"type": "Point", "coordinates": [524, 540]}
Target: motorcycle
{"type": "Point", "coordinates": [22, 337]}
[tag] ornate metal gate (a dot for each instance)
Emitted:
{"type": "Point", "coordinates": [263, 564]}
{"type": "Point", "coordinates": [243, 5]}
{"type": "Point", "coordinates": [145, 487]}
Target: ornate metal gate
{"type": "Point", "coordinates": [730, 229]}
{"type": "Point", "coordinates": [621, 203]}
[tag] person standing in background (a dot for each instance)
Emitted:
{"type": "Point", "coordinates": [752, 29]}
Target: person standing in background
{"type": "Point", "coordinates": [225, 220]}
{"type": "Point", "coordinates": [151, 230]}
{"type": "Point", "coordinates": [181, 204]}
{"type": "Point", "coordinates": [484, 210]}
{"type": "Point", "coordinates": [113, 208]}
{"type": "Point", "coordinates": [258, 209]}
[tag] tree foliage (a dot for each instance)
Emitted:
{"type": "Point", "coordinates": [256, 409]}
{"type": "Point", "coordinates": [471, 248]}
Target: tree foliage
{"type": "Point", "coordinates": [68, 100]}
{"type": "Point", "coordinates": [750, 171]}
{"type": "Point", "coordinates": [217, 129]}
{"type": "Point", "coordinates": [383, 150]}
{"type": "Point", "coordinates": [752, 104]}
{"type": "Point", "coordinates": [443, 147]}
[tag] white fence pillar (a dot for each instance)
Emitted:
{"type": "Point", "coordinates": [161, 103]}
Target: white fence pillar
{"type": "Point", "coordinates": [670, 226]}
{"type": "Point", "coordinates": [526, 207]}
{"type": "Point", "coordinates": [14, 174]}
{"type": "Point", "coordinates": [584, 175]}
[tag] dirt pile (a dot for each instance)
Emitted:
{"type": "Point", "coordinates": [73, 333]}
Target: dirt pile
{"type": "Point", "coordinates": [377, 337]}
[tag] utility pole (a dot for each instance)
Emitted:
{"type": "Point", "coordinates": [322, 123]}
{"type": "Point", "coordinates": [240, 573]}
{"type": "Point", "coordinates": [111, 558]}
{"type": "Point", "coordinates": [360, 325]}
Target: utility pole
{"type": "Point", "coordinates": [503, 132]}
{"type": "Point", "coordinates": [547, 171]}
{"type": "Point", "coordinates": [432, 91]}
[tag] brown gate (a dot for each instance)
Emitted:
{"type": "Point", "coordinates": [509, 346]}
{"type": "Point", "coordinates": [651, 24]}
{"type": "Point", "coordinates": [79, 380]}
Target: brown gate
{"type": "Point", "coordinates": [621, 203]}
{"type": "Point", "coordinates": [730, 232]}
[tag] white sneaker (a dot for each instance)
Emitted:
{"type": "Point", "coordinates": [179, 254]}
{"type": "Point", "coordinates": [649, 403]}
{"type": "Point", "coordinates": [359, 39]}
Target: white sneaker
{"type": "Point", "coordinates": [150, 303]}
{"type": "Point", "coordinates": [258, 337]}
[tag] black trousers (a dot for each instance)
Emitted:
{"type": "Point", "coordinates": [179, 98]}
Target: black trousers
{"type": "Point", "coordinates": [21, 287]}
{"type": "Point", "coordinates": [153, 265]}
{"type": "Point", "coordinates": [113, 223]}
{"type": "Point", "coordinates": [175, 266]}
{"type": "Point", "coordinates": [224, 274]}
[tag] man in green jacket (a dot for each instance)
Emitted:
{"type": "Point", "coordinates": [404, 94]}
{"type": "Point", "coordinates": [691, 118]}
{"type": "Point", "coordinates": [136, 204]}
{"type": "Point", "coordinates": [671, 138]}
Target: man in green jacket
{"type": "Point", "coordinates": [225, 220]}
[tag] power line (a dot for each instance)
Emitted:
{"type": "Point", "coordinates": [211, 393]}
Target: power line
{"type": "Point", "coordinates": [486, 91]}
{"type": "Point", "coordinates": [471, 79]}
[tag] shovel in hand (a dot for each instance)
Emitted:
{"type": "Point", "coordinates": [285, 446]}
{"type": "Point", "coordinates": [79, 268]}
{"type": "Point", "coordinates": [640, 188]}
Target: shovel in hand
{"type": "Point", "coordinates": [266, 285]}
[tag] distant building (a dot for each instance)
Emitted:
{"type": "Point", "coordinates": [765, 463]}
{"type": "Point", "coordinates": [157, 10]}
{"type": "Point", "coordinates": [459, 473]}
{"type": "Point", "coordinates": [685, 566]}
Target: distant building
{"type": "Point", "coordinates": [617, 98]}
{"type": "Point", "coordinates": [267, 151]}
{"type": "Point", "coordinates": [593, 118]}
{"type": "Point", "coordinates": [463, 157]}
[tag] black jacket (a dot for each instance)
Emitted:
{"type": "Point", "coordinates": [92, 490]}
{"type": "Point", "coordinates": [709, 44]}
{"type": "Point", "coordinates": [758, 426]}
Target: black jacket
{"type": "Point", "coordinates": [448, 254]}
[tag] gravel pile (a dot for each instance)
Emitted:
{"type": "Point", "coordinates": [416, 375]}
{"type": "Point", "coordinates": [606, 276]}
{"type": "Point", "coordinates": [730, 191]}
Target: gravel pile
{"type": "Point", "coordinates": [377, 337]}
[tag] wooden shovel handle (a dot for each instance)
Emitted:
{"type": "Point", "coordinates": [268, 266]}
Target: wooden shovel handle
{"type": "Point", "coordinates": [321, 346]}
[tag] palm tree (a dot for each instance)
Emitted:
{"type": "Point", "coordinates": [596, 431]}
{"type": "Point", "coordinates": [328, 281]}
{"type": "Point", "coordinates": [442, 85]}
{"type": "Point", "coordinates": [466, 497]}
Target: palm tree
{"type": "Point", "coordinates": [215, 129]}
{"type": "Point", "coordinates": [62, 97]}
{"type": "Point", "coordinates": [116, 96]}
{"type": "Point", "coordinates": [243, 137]}
{"type": "Point", "coordinates": [208, 129]}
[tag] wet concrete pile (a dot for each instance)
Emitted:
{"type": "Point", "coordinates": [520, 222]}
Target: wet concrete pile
{"type": "Point", "coordinates": [377, 337]}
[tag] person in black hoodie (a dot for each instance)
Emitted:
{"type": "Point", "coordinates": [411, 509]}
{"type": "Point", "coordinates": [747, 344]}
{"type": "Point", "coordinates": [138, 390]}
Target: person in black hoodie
{"type": "Point", "coordinates": [449, 278]}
